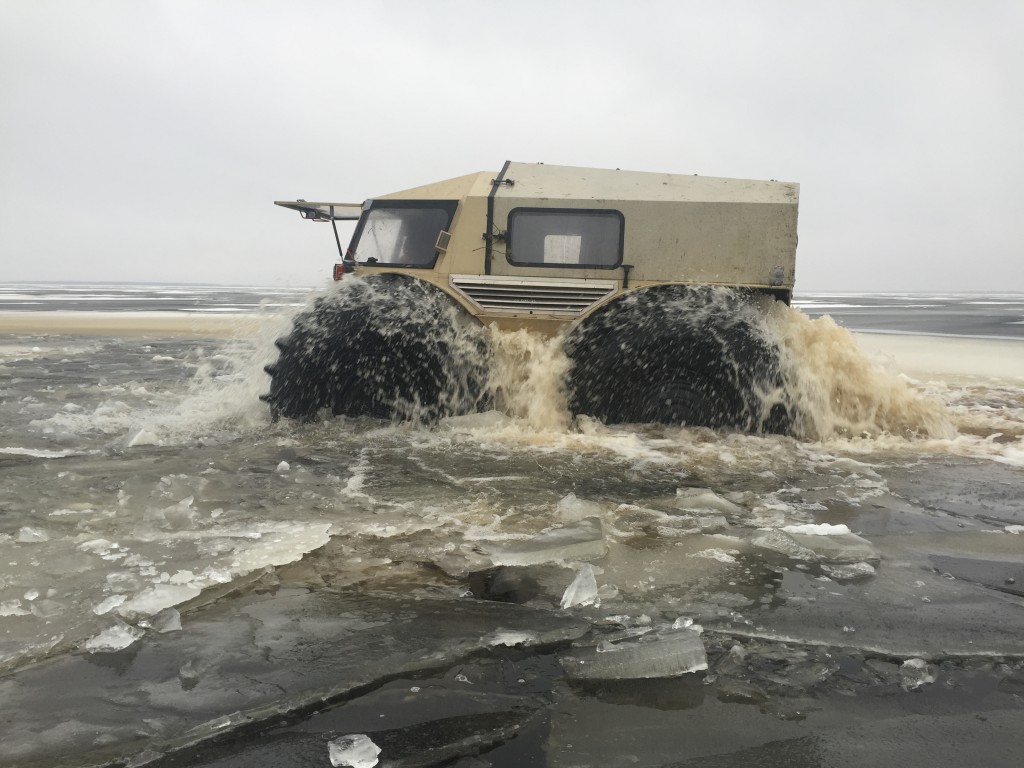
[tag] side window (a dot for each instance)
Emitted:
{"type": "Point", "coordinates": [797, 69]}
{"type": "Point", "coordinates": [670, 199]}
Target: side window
{"type": "Point", "coordinates": [565, 237]}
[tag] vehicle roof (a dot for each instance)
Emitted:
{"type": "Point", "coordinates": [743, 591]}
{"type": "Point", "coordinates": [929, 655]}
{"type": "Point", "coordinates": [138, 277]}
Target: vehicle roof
{"type": "Point", "coordinates": [560, 182]}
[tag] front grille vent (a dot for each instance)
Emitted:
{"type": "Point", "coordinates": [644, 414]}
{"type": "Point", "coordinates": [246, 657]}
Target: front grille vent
{"type": "Point", "coordinates": [495, 293]}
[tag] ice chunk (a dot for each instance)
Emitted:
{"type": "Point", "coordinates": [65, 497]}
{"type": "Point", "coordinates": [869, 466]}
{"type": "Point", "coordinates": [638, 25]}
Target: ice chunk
{"type": "Point", "coordinates": [704, 498]}
{"type": "Point", "coordinates": [1014, 528]}
{"type": "Point", "coordinates": [511, 638]}
{"type": "Point", "coordinates": [178, 516]}
{"type": "Point", "coordinates": [670, 653]}
{"type": "Point", "coordinates": [810, 529]}
{"type": "Point", "coordinates": [109, 604]}
{"type": "Point", "coordinates": [113, 639]}
{"type": "Point", "coordinates": [570, 508]}
{"type": "Point", "coordinates": [838, 548]}
{"type": "Point", "coordinates": [779, 541]}
{"type": "Point", "coordinates": [714, 553]}
{"type": "Point", "coordinates": [849, 572]}
{"type": "Point", "coordinates": [46, 609]}
{"type": "Point", "coordinates": [916, 672]}
{"type": "Point", "coordinates": [29, 535]}
{"type": "Point", "coordinates": [143, 437]}
{"type": "Point", "coordinates": [582, 541]}
{"type": "Point", "coordinates": [12, 608]}
{"type": "Point", "coordinates": [168, 620]}
{"type": "Point", "coordinates": [354, 751]}
{"type": "Point", "coordinates": [156, 598]}
{"type": "Point", "coordinates": [284, 466]}
{"type": "Point", "coordinates": [582, 590]}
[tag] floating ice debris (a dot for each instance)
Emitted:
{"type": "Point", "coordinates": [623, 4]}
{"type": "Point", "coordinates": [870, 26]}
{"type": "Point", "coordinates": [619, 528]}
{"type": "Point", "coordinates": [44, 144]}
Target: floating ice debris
{"type": "Point", "coordinates": [36, 453]}
{"type": "Point", "coordinates": [849, 572]}
{"type": "Point", "coordinates": [1014, 529]}
{"type": "Point", "coordinates": [168, 620]}
{"type": "Point", "coordinates": [46, 609]}
{"type": "Point", "coordinates": [582, 590]}
{"type": "Point", "coordinates": [29, 535]}
{"type": "Point", "coordinates": [511, 637]}
{"type": "Point", "coordinates": [113, 639]}
{"type": "Point", "coordinates": [570, 508]}
{"type": "Point", "coordinates": [714, 553]}
{"type": "Point", "coordinates": [582, 541]}
{"type": "Point", "coordinates": [838, 548]}
{"type": "Point", "coordinates": [779, 541]}
{"type": "Point", "coordinates": [31, 594]}
{"type": "Point", "coordinates": [671, 653]}
{"type": "Point", "coordinates": [97, 546]}
{"type": "Point", "coordinates": [109, 604]}
{"type": "Point", "coordinates": [284, 466]}
{"type": "Point", "coordinates": [154, 599]}
{"type": "Point", "coordinates": [12, 608]}
{"type": "Point", "coordinates": [916, 672]}
{"type": "Point", "coordinates": [353, 751]}
{"type": "Point", "coordinates": [823, 529]}
{"type": "Point", "coordinates": [143, 437]}
{"type": "Point", "coordinates": [704, 498]}
{"type": "Point", "coordinates": [685, 622]}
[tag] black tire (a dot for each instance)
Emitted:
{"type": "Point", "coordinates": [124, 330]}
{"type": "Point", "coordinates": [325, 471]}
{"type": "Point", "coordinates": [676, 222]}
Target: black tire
{"type": "Point", "coordinates": [388, 347]}
{"type": "Point", "coordinates": [678, 355]}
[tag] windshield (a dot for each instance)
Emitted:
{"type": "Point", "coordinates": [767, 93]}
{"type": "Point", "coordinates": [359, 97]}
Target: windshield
{"type": "Point", "coordinates": [401, 233]}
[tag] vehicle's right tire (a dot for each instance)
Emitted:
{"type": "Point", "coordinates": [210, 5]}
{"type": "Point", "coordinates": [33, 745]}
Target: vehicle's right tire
{"type": "Point", "coordinates": [675, 354]}
{"type": "Point", "coordinates": [387, 347]}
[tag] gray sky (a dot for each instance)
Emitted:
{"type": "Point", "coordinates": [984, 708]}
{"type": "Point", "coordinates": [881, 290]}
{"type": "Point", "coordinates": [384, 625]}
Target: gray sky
{"type": "Point", "coordinates": [145, 141]}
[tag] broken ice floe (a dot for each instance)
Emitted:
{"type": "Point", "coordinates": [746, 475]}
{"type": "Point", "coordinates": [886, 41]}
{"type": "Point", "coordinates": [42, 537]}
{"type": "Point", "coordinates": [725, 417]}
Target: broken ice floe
{"type": "Point", "coordinates": [581, 541]}
{"type": "Point", "coordinates": [777, 540]}
{"type": "Point", "coordinates": [30, 535]}
{"type": "Point", "coordinates": [702, 499]}
{"type": "Point", "coordinates": [838, 547]}
{"type": "Point", "coordinates": [669, 653]}
{"type": "Point", "coordinates": [822, 529]}
{"type": "Point", "coordinates": [113, 639]}
{"type": "Point", "coordinates": [916, 672]}
{"type": "Point", "coordinates": [143, 437]}
{"type": "Point", "coordinates": [848, 572]}
{"type": "Point", "coordinates": [833, 544]}
{"type": "Point", "coordinates": [353, 751]}
{"type": "Point", "coordinates": [109, 604]}
{"type": "Point", "coordinates": [571, 508]}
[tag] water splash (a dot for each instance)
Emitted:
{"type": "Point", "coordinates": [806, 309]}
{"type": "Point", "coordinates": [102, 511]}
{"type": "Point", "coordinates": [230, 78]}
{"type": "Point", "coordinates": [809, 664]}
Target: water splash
{"type": "Point", "coordinates": [836, 390]}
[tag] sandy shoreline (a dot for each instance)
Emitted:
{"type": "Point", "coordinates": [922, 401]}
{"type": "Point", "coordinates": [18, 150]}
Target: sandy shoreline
{"type": "Point", "coordinates": [161, 324]}
{"type": "Point", "coordinates": [921, 357]}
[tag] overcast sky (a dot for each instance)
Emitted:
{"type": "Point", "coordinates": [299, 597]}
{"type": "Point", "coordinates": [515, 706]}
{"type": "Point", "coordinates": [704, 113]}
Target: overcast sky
{"type": "Point", "coordinates": [145, 141]}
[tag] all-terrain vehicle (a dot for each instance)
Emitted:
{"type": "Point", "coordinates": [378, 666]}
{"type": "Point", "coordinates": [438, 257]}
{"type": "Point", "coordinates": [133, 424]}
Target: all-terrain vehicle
{"type": "Point", "coordinates": [657, 283]}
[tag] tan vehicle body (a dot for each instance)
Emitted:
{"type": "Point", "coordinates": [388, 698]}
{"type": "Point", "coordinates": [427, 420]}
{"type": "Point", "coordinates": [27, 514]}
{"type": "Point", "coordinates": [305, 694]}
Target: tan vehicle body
{"type": "Point", "coordinates": [674, 229]}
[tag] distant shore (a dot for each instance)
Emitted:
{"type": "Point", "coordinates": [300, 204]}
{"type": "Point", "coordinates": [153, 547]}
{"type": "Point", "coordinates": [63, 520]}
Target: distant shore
{"type": "Point", "coordinates": [918, 356]}
{"type": "Point", "coordinates": [174, 324]}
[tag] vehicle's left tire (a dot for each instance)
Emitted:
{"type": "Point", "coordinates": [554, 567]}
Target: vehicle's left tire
{"type": "Point", "coordinates": [388, 347]}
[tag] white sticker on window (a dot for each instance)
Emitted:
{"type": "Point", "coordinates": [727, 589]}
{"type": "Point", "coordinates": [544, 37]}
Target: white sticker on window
{"type": "Point", "coordinates": [562, 249]}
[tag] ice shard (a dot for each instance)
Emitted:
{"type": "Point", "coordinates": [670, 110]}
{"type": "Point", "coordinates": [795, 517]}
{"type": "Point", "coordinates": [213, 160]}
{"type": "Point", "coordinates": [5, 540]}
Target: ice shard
{"type": "Point", "coordinates": [670, 653]}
